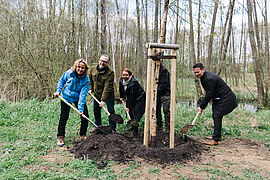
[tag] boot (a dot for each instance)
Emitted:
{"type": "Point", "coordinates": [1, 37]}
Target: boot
{"type": "Point", "coordinates": [83, 137]}
{"type": "Point", "coordinates": [60, 141]}
{"type": "Point", "coordinates": [135, 131]}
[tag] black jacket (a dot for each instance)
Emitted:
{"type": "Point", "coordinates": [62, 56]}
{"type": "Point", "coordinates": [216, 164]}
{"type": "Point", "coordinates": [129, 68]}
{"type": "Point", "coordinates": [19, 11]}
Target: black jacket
{"type": "Point", "coordinates": [224, 100]}
{"type": "Point", "coordinates": [134, 92]}
{"type": "Point", "coordinates": [164, 86]}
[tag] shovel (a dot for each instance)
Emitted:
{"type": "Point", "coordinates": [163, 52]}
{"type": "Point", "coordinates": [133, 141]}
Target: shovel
{"type": "Point", "coordinates": [84, 116]}
{"type": "Point", "coordinates": [130, 122]}
{"type": "Point", "coordinates": [187, 127]}
{"type": "Point", "coordinates": [113, 117]}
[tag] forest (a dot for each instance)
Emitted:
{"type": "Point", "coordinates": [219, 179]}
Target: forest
{"type": "Point", "coordinates": [41, 39]}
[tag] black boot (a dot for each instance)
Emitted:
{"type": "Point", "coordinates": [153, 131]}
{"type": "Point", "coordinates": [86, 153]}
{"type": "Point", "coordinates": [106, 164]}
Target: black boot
{"type": "Point", "coordinates": [135, 131]}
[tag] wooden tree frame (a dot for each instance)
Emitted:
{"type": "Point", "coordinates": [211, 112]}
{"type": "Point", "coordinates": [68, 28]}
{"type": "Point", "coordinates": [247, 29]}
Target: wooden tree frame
{"type": "Point", "coordinates": [151, 91]}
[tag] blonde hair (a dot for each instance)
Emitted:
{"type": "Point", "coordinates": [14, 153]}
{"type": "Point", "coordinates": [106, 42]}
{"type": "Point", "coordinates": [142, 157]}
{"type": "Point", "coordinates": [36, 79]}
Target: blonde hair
{"type": "Point", "coordinates": [77, 62]}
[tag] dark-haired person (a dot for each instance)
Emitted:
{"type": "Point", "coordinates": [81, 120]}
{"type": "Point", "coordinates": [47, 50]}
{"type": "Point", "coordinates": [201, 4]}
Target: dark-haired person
{"type": "Point", "coordinates": [224, 100]}
{"type": "Point", "coordinates": [163, 98]}
{"type": "Point", "coordinates": [102, 85]}
{"type": "Point", "coordinates": [131, 90]}
{"type": "Point", "coordinates": [74, 85]}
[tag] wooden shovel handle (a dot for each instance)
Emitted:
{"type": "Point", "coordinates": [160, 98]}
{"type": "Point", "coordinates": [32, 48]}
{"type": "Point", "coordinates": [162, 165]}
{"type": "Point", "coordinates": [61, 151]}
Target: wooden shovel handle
{"type": "Point", "coordinates": [100, 103]}
{"type": "Point", "coordinates": [194, 120]}
{"type": "Point", "coordinates": [74, 108]}
{"type": "Point", "coordinates": [123, 102]}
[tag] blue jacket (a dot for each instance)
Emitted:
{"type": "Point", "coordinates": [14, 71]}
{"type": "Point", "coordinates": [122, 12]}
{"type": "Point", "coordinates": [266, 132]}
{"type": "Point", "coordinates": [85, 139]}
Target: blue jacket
{"type": "Point", "coordinates": [75, 88]}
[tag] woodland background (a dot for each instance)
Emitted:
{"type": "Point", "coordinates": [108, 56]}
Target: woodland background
{"type": "Point", "coordinates": [41, 39]}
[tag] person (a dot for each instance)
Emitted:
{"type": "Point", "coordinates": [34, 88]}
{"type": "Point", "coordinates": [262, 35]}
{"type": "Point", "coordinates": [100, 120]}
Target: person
{"type": "Point", "coordinates": [163, 98]}
{"type": "Point", "coordinates": [102, 85]}
{"type": "Point", "coordinates": [224, 100]}
{"type": "Point", "coordinates": [134, 95]}
{"type": "Point", "coordinates": [74, 86]}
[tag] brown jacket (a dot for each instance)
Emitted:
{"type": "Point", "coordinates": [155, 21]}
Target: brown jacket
{"type": "Point", "coordinates": [102, 84]}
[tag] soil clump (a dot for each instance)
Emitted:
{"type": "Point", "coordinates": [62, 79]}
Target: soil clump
{"type": "Point", "coordinates": [123, 147]}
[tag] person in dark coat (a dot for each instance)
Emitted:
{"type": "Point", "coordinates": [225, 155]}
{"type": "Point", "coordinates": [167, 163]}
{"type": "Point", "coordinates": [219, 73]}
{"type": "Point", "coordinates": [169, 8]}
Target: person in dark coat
{"type": "Point", "coordinates": [163, 98]}
{"type": "Point", "coordinates": [224, 100]}
{"type": "Point", "coordinates": [134, 95]}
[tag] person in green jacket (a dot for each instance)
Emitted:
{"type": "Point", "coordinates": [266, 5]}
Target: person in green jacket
{"type": "Point", "coordinates": [102, 85]}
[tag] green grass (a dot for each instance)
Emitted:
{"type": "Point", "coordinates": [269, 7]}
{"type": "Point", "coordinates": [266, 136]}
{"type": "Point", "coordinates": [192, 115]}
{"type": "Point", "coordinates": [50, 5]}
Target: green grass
{"type": "Point", "coordinates": [28, 132]}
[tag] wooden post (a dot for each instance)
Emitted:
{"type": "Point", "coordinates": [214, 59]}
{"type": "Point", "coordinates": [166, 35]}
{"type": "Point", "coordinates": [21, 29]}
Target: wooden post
{"type": "Point", "coordinates": [151, 92]}
{"type": "Point", "coordinates": [172, 106]}
{"type": "Point", "coordinates": [148, 98]}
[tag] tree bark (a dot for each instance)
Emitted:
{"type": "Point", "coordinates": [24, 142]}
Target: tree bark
{"type": "Point", "coordinates": [103, 37]}
{"type": "Point", "coordinates": [258, 76]}
{"type": "Point", "coordinates": [211, 37]}
{"type": "Point", "coordinates": [192, 49]}
{"type": "Point", "coordinates": [121, 38]}
{"type": "Point", "coordinates": [156, 22]}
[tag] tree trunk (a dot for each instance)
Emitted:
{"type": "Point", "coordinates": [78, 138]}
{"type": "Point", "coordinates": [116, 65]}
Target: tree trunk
{"type": "Point", "coordinates": [156, 22]}
{"type": "Point", "coordinates": [224, 52]}
{"type": "Point", "coordinates": [121, 37]}
{"type": "Point", "coordinates": [192, 49]}
{"type": "Point", "coordinates": [139, 40]}
{"type": "Point", "coordinates": [211, 37]}
{"type": "Point", "coordinates": [103, 37]}
{"type": "Point", "coordinates": [96, 34]}
{"type": "Point", "coordinates": [258, 76]}
{"type": "Point", "coordinates": [199, 33]}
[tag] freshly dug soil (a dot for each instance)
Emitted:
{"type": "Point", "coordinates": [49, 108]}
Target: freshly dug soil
{"type": "Point", "coordinates": [123, 147]}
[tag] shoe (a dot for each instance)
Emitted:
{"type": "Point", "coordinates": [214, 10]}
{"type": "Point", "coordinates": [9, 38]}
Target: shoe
{"type": "Point", "coordinates": [159, 128]}
{"type": "Point", "coordinates": [60, 141]}
{"type": "Point", "coordinates": [211, 143]}
{"type": "Point", "coordinates": [93, 130]}
{"type": "Point", "coordinates": [210, 138]}
{"type": "Point", "coordinates": [167, 129]}
{"type": "Point", "coordinates": [83, 137]}
{"type": "Point", "coordinates": [113, 131]}
{"type": "Point", "coordinates": [135, 131]}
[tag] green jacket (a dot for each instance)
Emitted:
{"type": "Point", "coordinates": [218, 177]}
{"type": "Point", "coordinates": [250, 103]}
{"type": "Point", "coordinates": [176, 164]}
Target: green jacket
{"type": "Point", "coordinates": [102, 84]}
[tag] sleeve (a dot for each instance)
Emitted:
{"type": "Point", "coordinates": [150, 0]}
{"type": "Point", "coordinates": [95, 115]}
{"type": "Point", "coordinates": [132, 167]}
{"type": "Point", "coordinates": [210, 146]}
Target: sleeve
{"type": "Point", "coordinates": [91, 80]}
{"type": "Point", "coordinates": [83, 94]}
{"type": "Point", "coordinates": [121, 92]}
{"type": "Point", "coordinates": [108, 87]}
{"type": "Point", "coordinates": [61, 83]}
{"type": "Point", "coordinates": [210, 89]}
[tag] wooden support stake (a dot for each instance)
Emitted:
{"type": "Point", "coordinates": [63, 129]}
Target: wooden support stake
{"type": "Point", "coordinates": [172, 106]}
{"type": "Point", "coordinates": [148, 99]}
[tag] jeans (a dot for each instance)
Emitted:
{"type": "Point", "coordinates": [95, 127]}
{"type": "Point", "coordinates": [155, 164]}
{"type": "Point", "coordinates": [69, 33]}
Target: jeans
{"type": "Point", "coordinates": [217, 127]}
{"type": "Point", "coordinates": [65, 109]}
{"type": "Point", "coordinates": [97, 112]}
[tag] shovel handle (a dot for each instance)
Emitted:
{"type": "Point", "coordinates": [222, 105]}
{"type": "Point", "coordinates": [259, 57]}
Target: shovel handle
{"type": "Point", "coordinates": [100, 103]}
{"type": "Point", "coordinates": [194, 120]}
{"type": "Point", "coordinates": [124, 104]}
{"type": "Point", "coordinates": [74, 108]}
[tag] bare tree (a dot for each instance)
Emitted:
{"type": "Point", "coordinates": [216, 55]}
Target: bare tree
{"type": "Point", "coordinates": [192, 49]}
{"type": "Point", "coordinates": [103, 37]}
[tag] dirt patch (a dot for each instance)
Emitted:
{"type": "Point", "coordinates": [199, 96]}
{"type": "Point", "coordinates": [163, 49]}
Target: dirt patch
{"type": "Point", "coordinates": [122, 147]}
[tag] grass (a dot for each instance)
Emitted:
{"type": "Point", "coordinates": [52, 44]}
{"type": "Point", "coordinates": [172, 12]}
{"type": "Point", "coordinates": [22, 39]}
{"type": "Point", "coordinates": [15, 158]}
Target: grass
{"type": "Point", "coordinates": [28, 135]}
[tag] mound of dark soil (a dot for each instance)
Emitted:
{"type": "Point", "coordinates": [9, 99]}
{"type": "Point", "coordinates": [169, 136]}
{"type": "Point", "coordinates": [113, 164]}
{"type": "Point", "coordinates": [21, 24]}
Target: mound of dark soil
{"type": "Point", "coordinates": [123, 147]}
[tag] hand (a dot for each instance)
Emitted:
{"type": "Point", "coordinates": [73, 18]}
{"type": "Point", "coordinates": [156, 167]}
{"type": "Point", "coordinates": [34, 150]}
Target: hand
{"type": "Point", "coordinates": [127, 110]}
{"type": "Point", "coordinates": [101, 104]}
{"type": "Point", "coordinates": [89, 92]}
{"type": "Point", "coordinates": [200, 110]}
{"type": "Point", "coordinates": [55, 95]}
{"type": "Point", "coordinates": [80, 113]}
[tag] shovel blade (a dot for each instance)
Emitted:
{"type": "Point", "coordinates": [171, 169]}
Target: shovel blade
{"type": "Point", "coordinates": [186, 128]}
{"type": "Point", "coordinates": [116, 118]}
{"type": "Point", "coordinates": [132, 123]}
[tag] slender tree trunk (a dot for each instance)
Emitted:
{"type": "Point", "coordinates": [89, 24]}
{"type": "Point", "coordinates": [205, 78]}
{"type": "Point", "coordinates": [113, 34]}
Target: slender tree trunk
{"type": "Point", "coordinates": [121, 37]}
{"type": "Point", "coordinates": [199, 33]}
{"type": "Point", "coordinates": [103, 38]}
{"type": "Point", "coordinates": [96, 34]}
{"type": "Point", "coordinates": [156, 22]}
{"type": "Point", "coordinates": [267, 56]}
{"type": "Point", "coordinates": [211, 37]}
{"type": "Point", "coordinates": [224, 53]}
{"type": "Point", "coordinates": [192, 49]}
{"type": "Point", "coordinates": [139, 42]}
{"type": "Point", "coordinates": [258, 76]}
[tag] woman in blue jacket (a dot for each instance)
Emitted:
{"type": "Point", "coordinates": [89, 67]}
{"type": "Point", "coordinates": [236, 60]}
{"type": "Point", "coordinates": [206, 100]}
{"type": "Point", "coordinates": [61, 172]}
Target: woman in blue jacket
{"type": "Point", "coordinates": [74, 85]}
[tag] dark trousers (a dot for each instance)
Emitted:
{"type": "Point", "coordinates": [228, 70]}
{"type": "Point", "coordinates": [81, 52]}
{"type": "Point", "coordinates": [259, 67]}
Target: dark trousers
{"type": "Point", "coordinates": [165, 102]}
{"type": "Point", "coordinates": [217, 127]}
{"type": "Point", "coordinates": [97, 112]}
{"type": "Point", "coordinates": [65, 109]}
{"type": "Point", "coordinates": [137, 111]}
